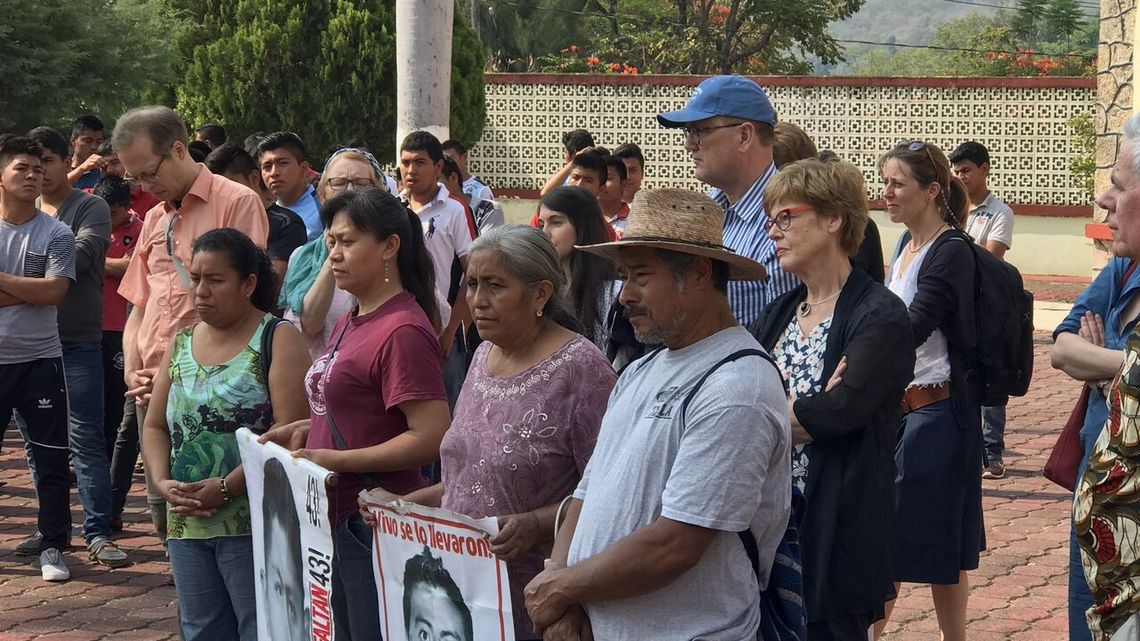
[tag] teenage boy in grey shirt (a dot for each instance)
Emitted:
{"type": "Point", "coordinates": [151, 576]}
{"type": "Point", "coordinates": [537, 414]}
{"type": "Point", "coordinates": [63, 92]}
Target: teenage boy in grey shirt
{"type": "Point", "coordinates": [81, 333]}
{"type": "Point", "coordinates": [37, 266]}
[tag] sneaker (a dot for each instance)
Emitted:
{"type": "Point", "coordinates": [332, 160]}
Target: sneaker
{"type": "Point", "coordinates": [52, 567]}
{"type": "Point", "coordinates": [104, 551]}
{"type": "Point", "coordinates": [994, 470]}
{"type": "Point", "coordinates": [32, 546]}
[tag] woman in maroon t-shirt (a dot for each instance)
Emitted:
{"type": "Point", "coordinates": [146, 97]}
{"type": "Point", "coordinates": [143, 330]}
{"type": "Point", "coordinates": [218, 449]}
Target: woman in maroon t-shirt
{"type": "Point", "coordinates": [377, 405]}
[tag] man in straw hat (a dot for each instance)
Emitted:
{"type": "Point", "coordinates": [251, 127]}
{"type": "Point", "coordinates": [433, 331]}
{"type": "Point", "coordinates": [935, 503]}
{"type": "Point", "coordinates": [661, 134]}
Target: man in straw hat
{"type": "Point", "coordinates": [729, 131]}
{"type": "Point", "coordinates": [693, 450]}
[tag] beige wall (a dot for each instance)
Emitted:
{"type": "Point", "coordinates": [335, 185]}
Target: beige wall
{"type": "Point", "coordinates": [1053, 246]}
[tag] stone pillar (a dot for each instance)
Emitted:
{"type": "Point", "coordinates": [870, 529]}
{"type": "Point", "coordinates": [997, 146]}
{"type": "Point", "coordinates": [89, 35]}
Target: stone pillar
{"type": "Point", "coordinates": [1115, 99]}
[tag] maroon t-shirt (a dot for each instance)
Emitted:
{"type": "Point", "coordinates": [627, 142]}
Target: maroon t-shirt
{"type": "Point", "coordinates": [387, 357]}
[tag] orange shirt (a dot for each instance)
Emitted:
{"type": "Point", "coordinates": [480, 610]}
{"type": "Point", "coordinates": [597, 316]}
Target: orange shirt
{"type": "Point", "coordinates": [152, 282]}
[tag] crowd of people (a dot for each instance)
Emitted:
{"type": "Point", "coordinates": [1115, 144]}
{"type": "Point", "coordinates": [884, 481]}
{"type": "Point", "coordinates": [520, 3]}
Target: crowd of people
{"type": "Point", "coordinates": [652, 390]}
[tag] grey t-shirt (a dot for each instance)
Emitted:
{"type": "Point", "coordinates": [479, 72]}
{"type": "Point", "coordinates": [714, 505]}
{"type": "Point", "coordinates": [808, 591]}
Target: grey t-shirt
{"type": "Point", "coordinates": [39, 248]}
{"type": "Point", "coordinates": [81, 312]}
{"type": "Point", "coordinates": [728, 469]}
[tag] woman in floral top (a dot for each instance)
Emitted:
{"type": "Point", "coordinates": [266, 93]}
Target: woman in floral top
{"type": "Point", "coordinates": [529, 412]}
{"type": "Point", "coordinates": [843, 344]}
{"type": "Point", "coordinates": [213, 382]}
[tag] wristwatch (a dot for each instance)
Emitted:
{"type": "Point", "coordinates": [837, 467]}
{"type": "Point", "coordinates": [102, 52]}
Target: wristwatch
{"type": "Point", "coordinates": [226, 496]}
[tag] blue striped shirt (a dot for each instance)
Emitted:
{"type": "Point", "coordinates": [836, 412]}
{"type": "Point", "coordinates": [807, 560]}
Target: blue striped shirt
{"type": "Point", "coordinates": [744, 234]}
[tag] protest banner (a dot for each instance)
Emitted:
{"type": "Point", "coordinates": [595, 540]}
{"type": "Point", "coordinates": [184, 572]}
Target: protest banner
{"type": "Point", "coordinates": [292, 542]}
{"type": "Point", "coordinates": [435, 574]}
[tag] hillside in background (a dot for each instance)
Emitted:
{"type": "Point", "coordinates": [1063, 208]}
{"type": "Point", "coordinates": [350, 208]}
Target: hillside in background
{"type": "Point", "coordinates": [904, 21]}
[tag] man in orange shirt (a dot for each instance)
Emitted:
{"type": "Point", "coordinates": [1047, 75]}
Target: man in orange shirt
{"type": "Point", "coordinates": [152, 143]}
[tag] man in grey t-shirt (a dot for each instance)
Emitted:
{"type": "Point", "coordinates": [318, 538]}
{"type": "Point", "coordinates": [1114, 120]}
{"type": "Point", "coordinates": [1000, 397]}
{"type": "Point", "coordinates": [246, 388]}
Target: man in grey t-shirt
{"type": "Point", "coordinates": [37, 266]}
{"type": "Point", "coordinates": [651, 547]}
{"type": "Point", "coordinates": [81, 334]}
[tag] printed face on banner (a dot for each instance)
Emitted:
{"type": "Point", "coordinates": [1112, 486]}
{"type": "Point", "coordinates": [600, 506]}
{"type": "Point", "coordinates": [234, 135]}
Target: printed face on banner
{"type": "Point", "coordinates": [292, 542]}
{"type": "Point", "coordinates": [437, 579]}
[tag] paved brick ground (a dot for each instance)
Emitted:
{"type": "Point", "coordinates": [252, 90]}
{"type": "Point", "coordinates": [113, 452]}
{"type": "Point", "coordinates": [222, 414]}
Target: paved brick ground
{"type": "Point", "coordinates": [1019, 591]}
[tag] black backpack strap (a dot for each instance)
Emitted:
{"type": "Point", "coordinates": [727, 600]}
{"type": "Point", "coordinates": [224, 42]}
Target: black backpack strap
{"type": "Point", "coordinates": [369, 480]}
{"type": "Point", "coordinates": [724, 361]}
{"type": "Point", "coordinates": [267, 356]}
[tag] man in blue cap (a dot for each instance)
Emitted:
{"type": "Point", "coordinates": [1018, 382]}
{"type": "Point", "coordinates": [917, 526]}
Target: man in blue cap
{"type": "Point", "coordinates": [729, 126]}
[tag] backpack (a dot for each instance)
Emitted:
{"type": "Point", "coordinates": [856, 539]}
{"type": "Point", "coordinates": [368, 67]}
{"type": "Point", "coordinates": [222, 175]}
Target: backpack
{"type": "Point", "coordinates": [782, 614]}
{"type": "Point", "coordinates": [1003, 324]}
{"type": "Point", "coordinates": [267, 357]}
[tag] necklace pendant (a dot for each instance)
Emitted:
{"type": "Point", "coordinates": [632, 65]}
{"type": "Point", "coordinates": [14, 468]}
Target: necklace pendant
{"type": "Point", "coordinates": [805, 309]}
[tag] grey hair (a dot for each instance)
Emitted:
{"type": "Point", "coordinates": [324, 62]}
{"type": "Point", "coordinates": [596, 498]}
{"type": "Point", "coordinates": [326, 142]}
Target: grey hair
{"type": "Point", "coordinates": [162, 125]}
{"type": "Point", "coordinates": [679, 264]}
{"type": "Point", "coordinates": [1132, 135]}
{"type": "Point", "coordinates": [528, 254]}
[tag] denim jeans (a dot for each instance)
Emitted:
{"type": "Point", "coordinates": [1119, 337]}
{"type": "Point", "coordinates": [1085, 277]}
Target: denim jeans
{"type": "Point", "coordinates": [215, 582]}
{"type": "Point", "coordinates": [83, 367]}
{"type": "Point", "coordinates": [356, 607]}
{"type": "Point", "coordinates": [1080, 598]}
{"type": "Point", "coordinates": [114, 389]}
{"type": "Point", "coordinates": [123, 458]}
{"type": "Point", "coordinates": [993, 431]}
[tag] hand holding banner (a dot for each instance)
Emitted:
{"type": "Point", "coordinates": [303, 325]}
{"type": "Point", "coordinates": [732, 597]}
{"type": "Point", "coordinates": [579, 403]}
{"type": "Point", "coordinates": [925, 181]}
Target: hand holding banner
{"type": "Point", "coordinates": [292, 541]}
{"type": "Point", "coordinates": [435, 573]}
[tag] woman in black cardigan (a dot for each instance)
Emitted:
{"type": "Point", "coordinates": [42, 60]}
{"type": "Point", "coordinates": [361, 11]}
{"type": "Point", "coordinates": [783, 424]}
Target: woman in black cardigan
{"type": "Point", "coordinates": [938, 529]}
{"type": "Point", "coordinates": [843, 343]}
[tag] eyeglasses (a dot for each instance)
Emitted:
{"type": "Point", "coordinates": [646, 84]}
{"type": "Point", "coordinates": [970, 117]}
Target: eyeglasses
{"type": "Point", "coordinates": [179, 266]}
{"type": "Point", "coordinates": [782, 219]}
{"type": "Point", "coordinates": [340, 184]}
{"type": "Point", "coordinates": [693, 134]}
{"type": "Point", "coordinates": [150, 176]}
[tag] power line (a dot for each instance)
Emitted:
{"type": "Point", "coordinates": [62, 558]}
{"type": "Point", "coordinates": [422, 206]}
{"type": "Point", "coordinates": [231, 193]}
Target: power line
{"type": "Point", "coordinates": [647, 22]}
{"type": "Point", "coordinates": [1085, 5]}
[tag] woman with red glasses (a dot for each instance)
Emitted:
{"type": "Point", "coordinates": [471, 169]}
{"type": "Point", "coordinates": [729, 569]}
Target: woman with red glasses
{"type": "Point", "coordinates": [938, 493]}
{"type": "Point", "coordinates": [843, 344]}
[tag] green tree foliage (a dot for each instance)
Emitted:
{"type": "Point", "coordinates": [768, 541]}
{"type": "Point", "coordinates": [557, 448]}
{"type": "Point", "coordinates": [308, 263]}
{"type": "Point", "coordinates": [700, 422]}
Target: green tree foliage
{"type": "Point", "coordinates": [322, 68]}
{"type": "Point", "coordinates": [61, 58]}
{"type": "Point", "coordinates": [708, 36]}
{"type": "Point", "coordinates": [991, 44]}
{"type": "Point", "coordinates": [1083, 165]}
{"type": "Point", "coordinates": [519, 32]}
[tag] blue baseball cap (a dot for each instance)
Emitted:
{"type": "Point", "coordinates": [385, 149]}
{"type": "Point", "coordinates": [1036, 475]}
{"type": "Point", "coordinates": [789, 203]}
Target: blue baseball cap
{"type": "Point", "coordinates": [734, 96]}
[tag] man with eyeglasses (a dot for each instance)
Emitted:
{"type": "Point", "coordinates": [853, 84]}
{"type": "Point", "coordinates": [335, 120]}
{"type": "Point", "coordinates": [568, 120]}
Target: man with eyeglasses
{"type": "Point", "coordinates": [728, 125]}
{"type": "Point", "coordinates": [152, 144]}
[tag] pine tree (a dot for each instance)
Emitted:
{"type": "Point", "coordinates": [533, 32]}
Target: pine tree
{"type": "Point", "coordinates": [1028, 21]}
{"type": "Point", "coordinates": [1062, 19]}
{"type": "Point", "coordinates": [322, 68]}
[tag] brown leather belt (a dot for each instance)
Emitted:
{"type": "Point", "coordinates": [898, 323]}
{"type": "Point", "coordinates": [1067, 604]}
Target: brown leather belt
{"type": "Point", "coordinates": [919, 397]}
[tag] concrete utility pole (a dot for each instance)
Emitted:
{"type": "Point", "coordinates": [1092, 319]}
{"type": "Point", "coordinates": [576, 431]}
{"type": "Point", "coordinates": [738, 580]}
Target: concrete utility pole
{"type": "Point", "coordinates": [423, 67]}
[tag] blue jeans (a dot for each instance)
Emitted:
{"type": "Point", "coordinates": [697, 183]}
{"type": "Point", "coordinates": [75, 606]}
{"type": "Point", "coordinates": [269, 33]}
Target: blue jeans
{"type": "Point", "coordinates": [1080, 598]}
{"type": "Point", "coordinates": [83, 369]}
{"type": "Point", "coordinates": [993, 431]}
{"type": "Point", "coordinates": [356, 608]}
{"type": "Point", "coordinates": [214, 579]}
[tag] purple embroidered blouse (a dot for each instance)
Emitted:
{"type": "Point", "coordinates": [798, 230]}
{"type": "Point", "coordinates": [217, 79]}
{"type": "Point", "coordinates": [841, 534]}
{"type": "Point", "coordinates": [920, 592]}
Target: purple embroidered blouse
{"type": "Point", "coordinates": [521, 442]}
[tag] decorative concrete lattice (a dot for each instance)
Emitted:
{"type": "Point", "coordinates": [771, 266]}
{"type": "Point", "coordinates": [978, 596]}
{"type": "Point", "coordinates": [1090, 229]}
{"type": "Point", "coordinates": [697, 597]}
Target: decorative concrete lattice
{"type": "Point", "coordinates": [1024, 124]}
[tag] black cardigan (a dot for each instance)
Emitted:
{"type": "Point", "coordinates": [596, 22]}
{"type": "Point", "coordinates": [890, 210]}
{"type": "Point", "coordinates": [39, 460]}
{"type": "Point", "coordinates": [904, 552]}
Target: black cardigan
{"type": "Point", "coordinates": [846, 532]}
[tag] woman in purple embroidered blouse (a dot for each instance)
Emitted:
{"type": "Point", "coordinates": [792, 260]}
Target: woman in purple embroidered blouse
{"type": "Point", "coordinates": [529, 412]}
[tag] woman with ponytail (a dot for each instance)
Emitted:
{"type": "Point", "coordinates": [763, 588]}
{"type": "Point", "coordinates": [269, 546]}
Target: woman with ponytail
{"type": "Point", "coordinates": [376, 399]}
{"type": "Point", "coordinates": [528, 415]}
{"type": "Point", "coordinates": [212, 382]}
{"type": "Point", "coordinates": [938, 530]}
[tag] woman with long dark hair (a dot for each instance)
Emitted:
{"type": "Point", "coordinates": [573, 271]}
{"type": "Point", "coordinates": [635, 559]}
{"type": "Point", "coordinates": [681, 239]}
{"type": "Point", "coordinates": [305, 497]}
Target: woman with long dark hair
{"type": "Point", "coordinates": [571, 216]}
{"type": "Point", "coordinates": [530, 409]}
{"type": "Point", "coordinates": [938, 529]}
{"type": "Point", "coordinates": [213, 381]}
{"type": "Point", "coordinates": [377, 405]}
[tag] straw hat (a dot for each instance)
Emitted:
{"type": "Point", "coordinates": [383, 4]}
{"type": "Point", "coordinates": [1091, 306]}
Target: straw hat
{"type": "Point", "coordinates": [682, 221]}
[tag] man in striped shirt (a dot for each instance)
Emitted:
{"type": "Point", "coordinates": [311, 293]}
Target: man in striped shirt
{"type": "Point", "coordinates": [728, 124]}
